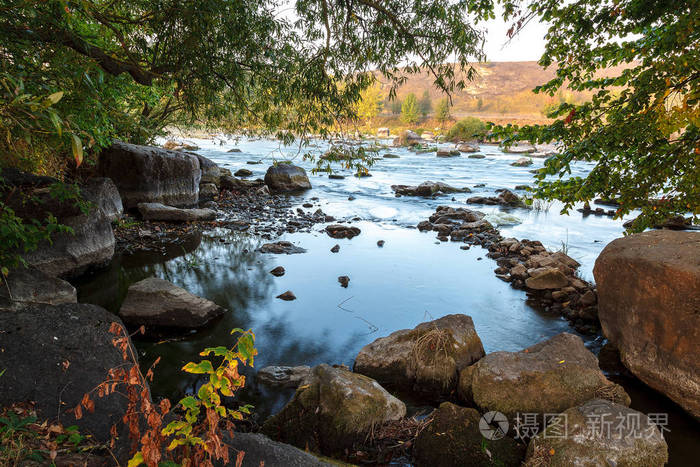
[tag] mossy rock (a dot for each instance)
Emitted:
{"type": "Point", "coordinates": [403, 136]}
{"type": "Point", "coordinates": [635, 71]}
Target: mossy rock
{"type": "Point", "coordinates": [332, 411]}
{"type": "Point", "coordinates": [453, 439]}
{"type": "Point", "coordinates": [599, 432]}
{"type": "Point", "coordinates": [548, 377]}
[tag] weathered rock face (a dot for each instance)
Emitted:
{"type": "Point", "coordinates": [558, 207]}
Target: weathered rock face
{"type": "Point", "coordinates": [453, 439]}
{"type": "Point", "coordinates": [283, 376]}
{"type": "Point", "coordinates": [53, 355]}
{"type": "Point", "coordinates": [145, 174]}
{"type": "Point", "coordinates": [599, 432]}
{"type": "Point", "coordinates": [428, 188]}
{"type": "Point", "coordinates": [649, 308]}
{"type": "Point", "coordinates": [546, 278]}
{"type": "Point", "coordinates": [161, 212]}
{"type": "Point", "coordinates": [103, 192]}
{"type": "Point", "coordinates": [90, 245]}
{"type": "Point", "coordinates": [284, 178]}
{"type": "Point", "coordinates": [548, 377]}
{"type": "Point", "coordinates": [159, 303]}
{"type": "Point", "coordinates": [333, 409]}
{"type": "Point", "coordinates": [211, 173]}
{"type": "Point", "coordinates": [262, 451]}
{"type": "Point", "coordinates": [29, 285]}
{"type": "Point", "coordinates": [427, 358]}
{"type": "Point", "coordinates": [468, 147]}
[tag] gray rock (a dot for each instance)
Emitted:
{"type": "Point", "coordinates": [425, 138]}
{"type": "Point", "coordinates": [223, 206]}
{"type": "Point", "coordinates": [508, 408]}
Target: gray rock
{"type": "Point", "coordinates": [599, 432]}
{"type": "Point", "coordinates": [283, 376]}
{"type": "Point", "coordinates": [284, 178]}
{"type": "Point", "coordinates": [211, 173]}
{"type": "Point", "coordinates": [54, 355]}
{"type": "Point", "coordinates": [243, 173]}
{"type": "Point", "coordinates": [161, 212]}
{"type": "Point", "coordinates": [208, 191]}
{"type": "Point", "coordinates": [281, 247]}
{"type": "Point", "coordinates": [157, 302]}
{"type": "Point", "coordinates": [427, 358]}
{"type": "Point", "coordinates": [548, 377]}
{"type": "Point", "coordinates": [261, 450]}
{"type": "Point", "coordinates": [29, 285]}
{"type": "Point", "coordinates": [477, 156]}
{"type": "Point", "coordinates": [518, 148]}
{"type": "Point", "coordinates": [427, 189]}
{"type": "Point", "coordinates": [332, 410]}
{"type": "Point", "coordinates": [522, 162]}
{"type": "Point", "coordinates": [145, 174]}
{"type": "Point", "coordinates": [104, 193]}
{"type": "Point", "coordinates": [468, 147]}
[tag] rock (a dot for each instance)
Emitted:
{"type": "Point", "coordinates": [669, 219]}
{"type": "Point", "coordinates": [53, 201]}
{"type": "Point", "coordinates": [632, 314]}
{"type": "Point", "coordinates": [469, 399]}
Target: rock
{"type": "Point", "coordinates": [208, 191]}
{"type": "Point", "coordinates": [408, 138]}
{"type": "Point", "coordinates": [477, 156]}
{"type": "Point", "coordinates": [145, 174]}
{"type": "Point", "coordinates": [548, 377]}
{"type": "Point", "coordinates": [243, 173]}
{"type": "Point", "coordinates": [391, 156]}
{"type": "Point", "coordinates": [283, 376]}
{"type": "Point", "coordinates": [648, 302]}
{"type": "Point", "coordinates": [211, 173]}
{"type": "Point", "coordinates": [335, 249]}
{"type": "Point", "coordinates": [446, 154]}
{"type": "Point", "coordinates": [161, 212]}
{"type": "Point", "coordinates": [335, 177]}
{"type": "Point", "coordinates": [342, 231]}
{"type": "Point", "coordinates": [234, 150]}
{"type": "Point", "coordinates": [284, 178]}
{"type": "Point", "coordinates": [28, 285]}
{"type": "Point", "coordinates": [281, 247]}
{"type": "Point", "coordinates": [453, 439]}
{"type": "Point", "coordinates": [428, 136]}
{"type": "Point", "coordinates": [380, 243]}
{"type": "Point", "coordinates": [522, 187]}
{"type": "Point", "coordinates": [344, 281]}
{"type": "Point", "coordinates": [159, 303]}
{"type": "Point", "coordinates": [427, 358]}
{"type": "Point", "coordinates": [522, 162]}
{"type": "Point", "coordinates": [383, 132]}
{"type": "Point", "coordinates": [103, 192]}
{"type": "Point", "coordinates": [89, 246]}
{"type": "Point", "coordinates": [547, 278]}
{"type": "Point", "coordinates": [287, 296]}
{"type": "Point", "coordinates": [518, 148]}
{"type": "Point", "coordinates": [599, 432]}
{"type": "Point", "coordinates": [54, 355]}
{"type": "Point", "coordinates": [508, 198]}
{"type": "Point", "coordinates": [427, 189]}
{"type": "Point", "coordinates": [171, 144]}
{"type": "Point", "coordinates": [332, 410]}
{"type": "Point", "coordinates": [260, 450]}
{"type": "Point", "coordinates": [278, 271]}
{"type": "Point", "coordinates": [468, 147]}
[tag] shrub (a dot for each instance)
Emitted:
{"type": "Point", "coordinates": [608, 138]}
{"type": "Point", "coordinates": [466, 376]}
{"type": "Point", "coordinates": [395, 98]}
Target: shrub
{"type": "Point", "coordinates": [467, 129]}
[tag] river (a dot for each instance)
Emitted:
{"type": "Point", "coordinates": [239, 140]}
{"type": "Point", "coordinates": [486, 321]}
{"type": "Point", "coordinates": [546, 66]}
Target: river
{"type": "Point", "coordinates": [411, 279]}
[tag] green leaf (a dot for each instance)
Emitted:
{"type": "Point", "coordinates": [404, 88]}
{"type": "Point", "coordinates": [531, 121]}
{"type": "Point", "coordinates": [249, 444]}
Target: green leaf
{"type": "Point", "coordinates": [199, 368]}
{"type": "Point", "coordinates": [77, 146]}
{"type": "Point", "coordinates": [55, 97]}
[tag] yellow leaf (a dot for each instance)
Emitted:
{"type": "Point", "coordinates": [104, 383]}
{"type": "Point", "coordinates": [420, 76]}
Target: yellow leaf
{"type": "Point", "coordinates": [562, 361]}
{"type": "Point", "coordinates": [136, 460]}
{"type": "Point", "coordinates": [77, 146]}
{"type": "Point", "coordinates": [55, 97]}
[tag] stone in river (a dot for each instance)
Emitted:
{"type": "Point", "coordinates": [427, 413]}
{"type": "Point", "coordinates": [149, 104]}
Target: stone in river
{"type": "Point", "coordinates": [284, 178]}
{"type": "Point", "coordinates": [342, 231]}
{"type": "Point", "coordinates": [335, 249]}
{"type": "Point", "coordinates": [278, 271]}
{"type": "Point", "coordinates": [287, 296]}
{"type": "Point", "coordinates": [344, 281]}
{"type": "Point", "coordinates": [243, 173]}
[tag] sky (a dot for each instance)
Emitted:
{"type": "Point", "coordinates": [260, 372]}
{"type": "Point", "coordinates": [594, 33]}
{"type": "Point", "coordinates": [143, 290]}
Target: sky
{"type": "Point", "coordinates": [526, 46]}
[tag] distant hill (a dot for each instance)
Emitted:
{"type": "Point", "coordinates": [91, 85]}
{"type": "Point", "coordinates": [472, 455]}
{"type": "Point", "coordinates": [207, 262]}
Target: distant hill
{"type": "Point", "coordinates": [501, 89]}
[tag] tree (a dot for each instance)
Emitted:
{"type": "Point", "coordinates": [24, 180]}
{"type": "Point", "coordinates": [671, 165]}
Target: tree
{"type": "Point", "coordinates": [410, 110]}
{"type": "Point", "coordinates": [129, 68]}
{"type": "Point", "coordinates": [370, 103]}
{"type": "Point", "coordinates": [395, 106]}
{"type": "Point", "coordinates": [642, 126]}
{"type": "Point", "coordinates": [425, 104]}
{"type": "Point", "coordinates": [442, 110]}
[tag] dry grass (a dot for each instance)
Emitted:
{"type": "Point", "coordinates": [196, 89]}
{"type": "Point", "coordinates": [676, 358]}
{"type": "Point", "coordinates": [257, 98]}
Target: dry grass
{"type": "Point", "coordinates": [432, 349]}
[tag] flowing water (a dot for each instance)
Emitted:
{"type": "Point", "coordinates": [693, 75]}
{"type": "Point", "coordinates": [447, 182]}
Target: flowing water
{"type": "Point", "coordinates": [411, 279]}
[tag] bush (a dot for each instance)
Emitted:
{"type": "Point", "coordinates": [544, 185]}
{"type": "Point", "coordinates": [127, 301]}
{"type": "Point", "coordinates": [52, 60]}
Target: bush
{"type": "Point", "coordinates": [466, 129]}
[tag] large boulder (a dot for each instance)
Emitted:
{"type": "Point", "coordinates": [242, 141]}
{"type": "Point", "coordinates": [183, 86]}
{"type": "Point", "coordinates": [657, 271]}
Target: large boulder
{"type": "Point", "coordinates": [548, 377]}
{"type": "Point", "coordinates": [259, 450]}
{"type": "Point", "coordinates": [211, 173]}
{"type": "Point", "coordinates": [104, 193]}
{"type": "Point", "coordinates": [332, 410]}
{"type": "Point", "coordinates": [54, 355]}
{"type": "Point", "coordinates": [29, 285]}
{"type": "Point", "coordinates": [599, 432]}
{"type": "Point", "coordinates": [427, 189]}
{"type": "Point", "coordinates": [427, 358]}
{"type": "Point", "coordinates": [159, 303]}
{"type": "Point", "coordinates": [146, 174]}
{"type": "Point", "coordinates": [649, 308]}
{"type": "Point", "coordinates": [89, 245]}
{"type": "Point", "coordinates": [408, 138]}
{"type": "Point", "coordinates": [161, 212]}
{"type": "Point", "coordinates": [453, 439]}
{"type": "Point", "coordinates": [284, 178]}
